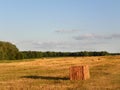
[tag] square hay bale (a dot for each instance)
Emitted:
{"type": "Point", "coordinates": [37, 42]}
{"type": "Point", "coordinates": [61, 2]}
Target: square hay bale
{"type": "Point", "coordinates": [79, 72]}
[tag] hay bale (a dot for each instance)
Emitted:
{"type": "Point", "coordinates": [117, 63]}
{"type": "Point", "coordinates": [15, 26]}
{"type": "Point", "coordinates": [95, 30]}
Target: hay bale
{"type": "Point", "coordinates": [79, 73]}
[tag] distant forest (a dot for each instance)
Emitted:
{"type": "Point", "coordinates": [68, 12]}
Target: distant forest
{"type": "Point", "coordinates": [9, 51]}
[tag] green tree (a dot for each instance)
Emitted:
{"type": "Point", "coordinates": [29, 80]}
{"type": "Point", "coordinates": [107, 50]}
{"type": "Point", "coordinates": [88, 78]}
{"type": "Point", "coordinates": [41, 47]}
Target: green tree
{"type": "Point", "coordinates": [8, 51]}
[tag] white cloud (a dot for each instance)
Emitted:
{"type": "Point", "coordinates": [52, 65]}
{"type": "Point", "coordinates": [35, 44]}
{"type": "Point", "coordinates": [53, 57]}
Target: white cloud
{"type": "Point", "coordinates": [96, 36]}
{"type": "Point", "coordinates": [67, 31]}
{"type": "Point", "coordinates": [89, 42]}
{"type": "Point", "coordinates": [43, 46]}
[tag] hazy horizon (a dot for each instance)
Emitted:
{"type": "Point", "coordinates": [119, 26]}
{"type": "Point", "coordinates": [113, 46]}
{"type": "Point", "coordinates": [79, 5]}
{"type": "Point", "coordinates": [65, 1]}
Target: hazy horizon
{"type": "Point", "coordinates": [61, 25]}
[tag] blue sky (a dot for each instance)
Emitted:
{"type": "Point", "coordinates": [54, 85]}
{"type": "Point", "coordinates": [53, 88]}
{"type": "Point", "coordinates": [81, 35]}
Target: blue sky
{"type": "Point", "coordinates": [61, 25]}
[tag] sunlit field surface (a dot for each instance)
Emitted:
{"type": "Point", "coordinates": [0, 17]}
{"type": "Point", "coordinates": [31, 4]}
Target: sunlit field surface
{"type": "Point", "coordinates": [53, 74]}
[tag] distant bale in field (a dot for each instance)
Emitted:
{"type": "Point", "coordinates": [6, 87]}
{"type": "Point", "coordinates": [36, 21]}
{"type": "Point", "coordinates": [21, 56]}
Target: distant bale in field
{"type": "Point", "coordinates": [79, 73]}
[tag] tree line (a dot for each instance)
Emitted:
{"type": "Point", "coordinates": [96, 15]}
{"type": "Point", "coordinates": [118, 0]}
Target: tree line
{"type": "Point", "coordinates": [37, 54]}
{"type": "Point", "coordinates": [9, 51]}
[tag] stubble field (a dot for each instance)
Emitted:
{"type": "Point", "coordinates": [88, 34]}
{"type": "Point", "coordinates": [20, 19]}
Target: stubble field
{"type": "Point", "coordinates": [53, 74]}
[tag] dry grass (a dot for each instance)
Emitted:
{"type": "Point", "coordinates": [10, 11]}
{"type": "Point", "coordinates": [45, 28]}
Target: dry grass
{"type": "Point", "coordinates": [53, 74]}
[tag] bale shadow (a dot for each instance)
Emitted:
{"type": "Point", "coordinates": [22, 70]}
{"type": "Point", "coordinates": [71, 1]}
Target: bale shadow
{"type": "Point", "coordinates": [46, 77]}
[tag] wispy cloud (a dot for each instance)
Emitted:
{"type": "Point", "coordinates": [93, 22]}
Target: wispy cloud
{"type": "Point", "coordinates": [79, 43]}
{"type": "Point", "coordinates": [53, 46]}
{"type": "Point", "coordinates": [96, 36]}
{"type": "Point", "coordinates": [67, 31]}
{"type": "Point", "coordinates": [43, 46]}
{"type": "Point", "coordinates": [68, 45]}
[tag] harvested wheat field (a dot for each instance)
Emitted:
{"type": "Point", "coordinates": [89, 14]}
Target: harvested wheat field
{"type": "Point", "coordinates": [53, 74]}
